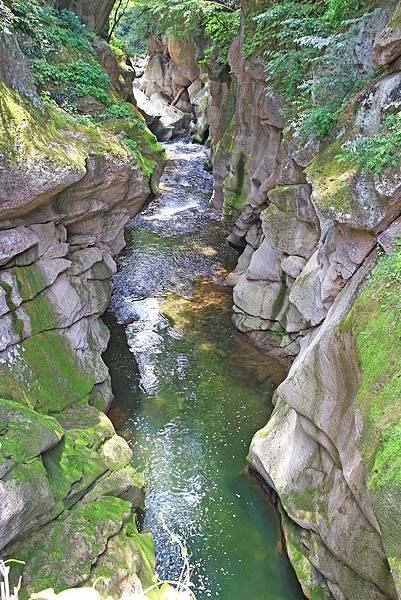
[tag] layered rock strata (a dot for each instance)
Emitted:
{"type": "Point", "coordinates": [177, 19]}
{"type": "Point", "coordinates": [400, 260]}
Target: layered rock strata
{"type": "Point", "coordinates": [68, 492]}
{"type": "Point", "coordinates": [310, 224]}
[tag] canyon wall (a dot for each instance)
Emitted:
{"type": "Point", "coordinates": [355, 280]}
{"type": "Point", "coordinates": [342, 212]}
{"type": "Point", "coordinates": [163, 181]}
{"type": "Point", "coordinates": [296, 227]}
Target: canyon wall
{"type": "Point", "coordinates": [68, 492]}
{"type": "Point", "coordinates": [311, 226]}
{"type": "Point", "coordinates": [170, 88]}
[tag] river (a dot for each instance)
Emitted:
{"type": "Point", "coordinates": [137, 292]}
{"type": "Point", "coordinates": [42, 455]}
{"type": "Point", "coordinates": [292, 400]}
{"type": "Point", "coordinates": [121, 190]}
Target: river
{"type": "Point", "coordinates": [190, 392]}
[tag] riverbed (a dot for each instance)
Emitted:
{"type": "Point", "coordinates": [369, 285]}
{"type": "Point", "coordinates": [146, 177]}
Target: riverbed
{"type": "Point", "coordinates": [190, 392]}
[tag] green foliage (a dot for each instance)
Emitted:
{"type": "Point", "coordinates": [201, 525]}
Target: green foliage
{"type": "Point", "coordinates": [80, 78]}
{"type": "Point", "coordinates": [65, 70]}
{"type": "Point", "coordinates": [217, 21]}
{"type": "Point", "coordinates": [388, 269]}
{"type": "Point", "coordinates": [119, 47]}
{"type": "Point", "coordinates": [132, 144]}
{"type": "Point", "coordinates": [302, 44]}
{"type": "Point", "coordinates": [61, 57]}
{"type": "Point", "coordinates": [48, 30]}
{"type": "Point", "coordinates": [119, 110]}
{"type": "Point", "coordinates": [221, 28]}
{"type": "Point", "coordinates": [373, 154]}
{"type": "Point", "coordinates": [79, 72]}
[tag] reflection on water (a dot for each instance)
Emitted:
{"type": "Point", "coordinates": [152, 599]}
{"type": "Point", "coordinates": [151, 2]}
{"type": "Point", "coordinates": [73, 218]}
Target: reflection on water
{"type": "Point", "coordinates": [190, 393]}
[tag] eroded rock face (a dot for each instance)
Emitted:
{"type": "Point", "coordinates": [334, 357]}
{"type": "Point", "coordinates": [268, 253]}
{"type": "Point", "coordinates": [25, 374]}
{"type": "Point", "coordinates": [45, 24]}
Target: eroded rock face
{"type": "Point", "coordinates": [319, 219]}
{"type": "Point", "coordinates": [67, 488]}
{"type": "Point", "coordinates": [94, 13]}
{"type": "Point", "coordinates": [170, 92]}
{"type": "Point", "coordinates": [309, 225]}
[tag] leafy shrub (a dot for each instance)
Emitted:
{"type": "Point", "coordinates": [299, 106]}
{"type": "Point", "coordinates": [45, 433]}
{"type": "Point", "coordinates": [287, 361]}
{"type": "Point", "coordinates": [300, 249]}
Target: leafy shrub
{"type": "Point", "coordinates": [184, 19]}
{"type": "Point", "coordinates": [119, 110]}
{"type": "Point", "coordinates": [49, 30]}
{"type": "Point", "coordinates": [81, 79]}
{"type": "Point", "coordinates": [303, 43]}
{"type": "Point", "coordinates": [132, 144]}
{"type": "Point", "coordinates": [221, 28]}
{"type": "Point", "coordinates": [373, 154]}
{"type": "Point", "coordinates": [119, 47]}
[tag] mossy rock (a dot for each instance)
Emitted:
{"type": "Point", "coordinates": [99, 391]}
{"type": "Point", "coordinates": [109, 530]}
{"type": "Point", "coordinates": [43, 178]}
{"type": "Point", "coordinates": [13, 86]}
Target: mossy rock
{"type": "Point", "coordinates": [146, 149]}
{"type": "Point", "coordinates": [43, 373]}
{"type": "Point", "coordinates": [62, 554]}
{"type": "Point", "coordinates": [124, 483]}
{"type": "Point", "coordinates": [129, 554]}
{"type": "Point", "coordinates": [330, 179]}
{"type": "Point", "coordinates": [27, 134]}
{"type": "Point", "coordinates": [375, 323]}
{"type": "Point", "coordinates": [72, 468]}
{"type": "Point", "coordinates": [235, 187]}
{"type": "Point", "coordinates": [115, 453]}
{"type": "Point", "coordinates": [25, 434]}
{"type": "Point", "coordinates": [308, 577]}
{"type": "Point", "coordinates": [86, 425]}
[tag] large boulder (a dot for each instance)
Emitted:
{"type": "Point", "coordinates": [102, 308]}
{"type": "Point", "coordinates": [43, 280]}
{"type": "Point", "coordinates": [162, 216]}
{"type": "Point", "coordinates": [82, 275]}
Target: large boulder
{"type": "Point", "coordinates": [324, 449]}
{"type": "Point", "coordinates": [94, 13]}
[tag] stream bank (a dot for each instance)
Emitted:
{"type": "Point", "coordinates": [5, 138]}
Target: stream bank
{"type": "Point", "coordinates": [191, 391]}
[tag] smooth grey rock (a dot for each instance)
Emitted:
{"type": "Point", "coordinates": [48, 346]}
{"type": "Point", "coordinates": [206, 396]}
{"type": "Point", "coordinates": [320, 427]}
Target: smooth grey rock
{"type": "Point", "coordinates": [293, 265]}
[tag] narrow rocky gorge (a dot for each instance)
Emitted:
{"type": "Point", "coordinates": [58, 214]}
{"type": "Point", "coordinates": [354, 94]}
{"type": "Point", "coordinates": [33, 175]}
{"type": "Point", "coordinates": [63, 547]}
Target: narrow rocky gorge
{"type": "Point", "coordinates": [311, 227]}
{"type": "Point", "coordinates": [316, 286]}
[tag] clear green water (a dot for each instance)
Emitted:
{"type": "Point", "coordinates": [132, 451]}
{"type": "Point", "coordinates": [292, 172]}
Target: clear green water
{"type": "Point", "coordinates": [191, 392]}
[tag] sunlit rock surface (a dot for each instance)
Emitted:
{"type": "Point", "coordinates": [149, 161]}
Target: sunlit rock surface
{"type": "Point", "coordinates": [68, 491]}
{"type": "Point", "coordinates": [303, 291]}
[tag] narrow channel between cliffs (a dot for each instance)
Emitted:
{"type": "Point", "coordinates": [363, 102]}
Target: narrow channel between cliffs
{"type": "Point", "coordinates": [190, 392]}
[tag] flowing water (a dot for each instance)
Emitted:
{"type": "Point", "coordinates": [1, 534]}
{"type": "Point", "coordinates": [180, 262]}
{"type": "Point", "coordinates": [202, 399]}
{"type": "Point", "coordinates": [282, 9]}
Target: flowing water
{"type": "Point", "coordinates": [191, 391]}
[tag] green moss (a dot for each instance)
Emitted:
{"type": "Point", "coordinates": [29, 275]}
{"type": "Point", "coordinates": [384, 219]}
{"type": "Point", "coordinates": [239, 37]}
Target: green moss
{"type": "Point", "coordinates": [25, 433]}
{"type": "Point", "coordinates": [30, 281]}
{"type": "Point", "coordinates": [145, 544]}
{"type": "Point", "coordinates": [235, 188]}
{"type": "Point", "coordinates": [375, 324]}
{"type": "Point", "coordinates": [331, 179]}
{"type": "Point", "coordinates": [43, 373]}
{"type": "Point", "coordinates": [226, 143]}
{"type": "Point", "coordinates": [395, 21]}
{"type": "Point", "coordinates": [27, 134]}
{"type": "Point", "coordinates": [43, 552]}
{"type": "Point", "coordinates": [42, 314]}
{"type": "Point", "coordinates": [87, 425]}
{"type": "Point", "coordinates": [298, 556]}
{"type": "Point", "coordinates": [130, 126]}
{"type": "Point", "coordinates": [72, 467]}
{"type": "Point", "coordinates": [31, 475]}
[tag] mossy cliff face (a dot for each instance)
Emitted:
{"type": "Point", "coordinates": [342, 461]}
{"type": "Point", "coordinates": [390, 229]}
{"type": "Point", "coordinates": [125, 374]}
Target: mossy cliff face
{"type": "Point", "coordinates": [331, 447]}
{"type": "Point", "coordinates": [311, 289]}
{"type": "Point", "coordinates": [68, 491]}
{"type": "Point", "coordinates": [307, 218]}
